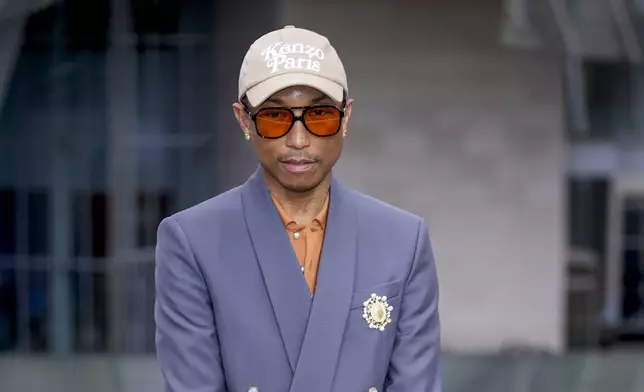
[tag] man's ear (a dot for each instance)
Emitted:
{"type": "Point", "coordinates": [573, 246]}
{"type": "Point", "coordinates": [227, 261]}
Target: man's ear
{"type": "Point", "coordinates": [242, 118]}
{"type": "Point", "coordinates": [348, 107]}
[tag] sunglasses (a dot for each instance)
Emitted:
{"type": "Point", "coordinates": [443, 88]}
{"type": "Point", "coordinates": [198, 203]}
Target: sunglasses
{"type": "Point", "coordinates": [319, 120]}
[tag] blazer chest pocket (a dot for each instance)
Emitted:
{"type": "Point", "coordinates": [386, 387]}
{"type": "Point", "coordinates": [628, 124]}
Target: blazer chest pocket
{"type": "Point", "coordinates": [390, 290]}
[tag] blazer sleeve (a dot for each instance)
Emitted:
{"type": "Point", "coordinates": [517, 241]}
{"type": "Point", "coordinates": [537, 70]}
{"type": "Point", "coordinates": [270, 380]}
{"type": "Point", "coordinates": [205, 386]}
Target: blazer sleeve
{"type": "Point", "coordinates": [415, 362]}
{"type": "Point", "coordinates": [186, 334]}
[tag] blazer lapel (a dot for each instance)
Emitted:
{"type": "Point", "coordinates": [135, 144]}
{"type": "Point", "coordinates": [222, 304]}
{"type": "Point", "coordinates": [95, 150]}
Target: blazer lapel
{"type": "Point", "coordinates": [321, 348]}
{"type": "Point", "coordinates": [287, 289]}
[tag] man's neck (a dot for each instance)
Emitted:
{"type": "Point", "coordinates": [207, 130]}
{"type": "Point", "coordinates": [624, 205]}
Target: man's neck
{"type": "Point", "coordinates": [302, 207]}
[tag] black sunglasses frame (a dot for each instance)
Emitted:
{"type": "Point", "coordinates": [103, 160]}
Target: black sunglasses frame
{"type": "Point", "coordinates": [295, 118]}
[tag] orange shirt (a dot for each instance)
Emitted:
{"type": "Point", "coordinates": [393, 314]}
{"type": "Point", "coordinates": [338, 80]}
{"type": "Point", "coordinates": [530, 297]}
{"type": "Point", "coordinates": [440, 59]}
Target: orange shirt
{"type": "Point", "coordinates": [306, 241]}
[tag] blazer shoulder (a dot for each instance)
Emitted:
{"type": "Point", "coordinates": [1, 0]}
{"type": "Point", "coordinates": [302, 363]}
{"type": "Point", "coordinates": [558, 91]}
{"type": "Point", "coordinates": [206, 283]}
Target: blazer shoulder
{"type": "Point", "coordinates": [216, 209]}
{"type": "Point", "coordinates": [383, 213]}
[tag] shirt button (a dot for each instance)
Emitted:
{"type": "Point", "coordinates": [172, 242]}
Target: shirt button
{"type": "Point", "coordinates": [296, 235]}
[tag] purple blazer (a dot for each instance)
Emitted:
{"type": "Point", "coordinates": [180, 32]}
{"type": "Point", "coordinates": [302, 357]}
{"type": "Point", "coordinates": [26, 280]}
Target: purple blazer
{"type": "Point", "coordinates": [233, 309]}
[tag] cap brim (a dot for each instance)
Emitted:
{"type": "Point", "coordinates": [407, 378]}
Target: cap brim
{"type": "Point", "coordinates": [258, 94]}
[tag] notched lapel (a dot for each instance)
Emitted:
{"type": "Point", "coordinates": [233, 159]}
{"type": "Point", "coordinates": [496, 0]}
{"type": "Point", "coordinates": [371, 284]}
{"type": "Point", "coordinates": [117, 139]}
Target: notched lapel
{"type": "Point", "coordinates": [287, 290]}
{"type": "Point", "coordinates": [334, 288]}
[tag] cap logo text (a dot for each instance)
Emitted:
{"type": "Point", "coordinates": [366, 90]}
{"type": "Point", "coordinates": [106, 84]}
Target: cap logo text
{"type": "Point", "coordinates": [292, 56]}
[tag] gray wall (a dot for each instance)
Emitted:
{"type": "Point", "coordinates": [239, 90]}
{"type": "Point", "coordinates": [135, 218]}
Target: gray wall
{"type": "Point", "coordinates": [468, 134]}
{"type": "Point", "coordinates": [237, 29]}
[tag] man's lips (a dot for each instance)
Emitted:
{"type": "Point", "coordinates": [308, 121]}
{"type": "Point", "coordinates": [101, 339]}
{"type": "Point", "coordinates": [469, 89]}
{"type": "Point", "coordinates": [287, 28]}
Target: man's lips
{"type": "Point", "coordinates": [297, 165]}
{"type": "Point", "coordinates": [298, 161]}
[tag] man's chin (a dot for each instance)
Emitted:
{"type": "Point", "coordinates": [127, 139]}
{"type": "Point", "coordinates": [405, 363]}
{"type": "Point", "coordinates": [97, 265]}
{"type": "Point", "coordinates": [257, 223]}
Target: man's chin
{"type": "Point", "coordinates": [299, 186]}
{"type": "Point", "coordinates": [297, 182]}
{"type": "Point", "coordinates": [300, 183]}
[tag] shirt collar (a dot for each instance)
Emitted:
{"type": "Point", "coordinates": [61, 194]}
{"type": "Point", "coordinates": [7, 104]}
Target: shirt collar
{"type": "Point", "coordinates": [320, 218]}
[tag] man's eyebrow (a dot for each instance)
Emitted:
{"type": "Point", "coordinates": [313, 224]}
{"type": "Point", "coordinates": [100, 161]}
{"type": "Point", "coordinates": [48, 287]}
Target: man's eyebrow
{"type": "Point", "coordinates": [280, 102]}
{"type": "Point", "coordinates": [320, 99]}
{"type": "Point", "coordinates": [275, 101]}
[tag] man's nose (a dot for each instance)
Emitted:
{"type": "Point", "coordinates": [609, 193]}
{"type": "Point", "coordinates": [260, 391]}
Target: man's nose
{"type": "Point", "coordinates": [298, 138]}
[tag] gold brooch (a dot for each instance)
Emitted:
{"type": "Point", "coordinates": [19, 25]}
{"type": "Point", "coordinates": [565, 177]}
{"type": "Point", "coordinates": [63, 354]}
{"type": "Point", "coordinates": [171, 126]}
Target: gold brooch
{"type": "Point", "coordinates": [377, 312]}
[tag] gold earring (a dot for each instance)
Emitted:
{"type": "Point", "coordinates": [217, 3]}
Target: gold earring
{"type": "Point", "coordinates": [246, 136]}
{"type": "Point", "coordinates": [344, 132]}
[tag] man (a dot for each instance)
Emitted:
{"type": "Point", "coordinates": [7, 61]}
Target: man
{"type": "Point", "coordinates": [292, 281]}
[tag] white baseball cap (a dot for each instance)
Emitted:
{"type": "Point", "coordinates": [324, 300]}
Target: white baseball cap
{"type": "Point", "coordinates": [291, 57]}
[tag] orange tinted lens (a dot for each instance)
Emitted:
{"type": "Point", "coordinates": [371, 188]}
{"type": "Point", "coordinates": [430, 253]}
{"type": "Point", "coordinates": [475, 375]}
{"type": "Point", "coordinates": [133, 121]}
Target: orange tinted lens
{"type": "Point", "coordinates": [273, 123]}
{"type": "Point", "coordinates": [323, 121]}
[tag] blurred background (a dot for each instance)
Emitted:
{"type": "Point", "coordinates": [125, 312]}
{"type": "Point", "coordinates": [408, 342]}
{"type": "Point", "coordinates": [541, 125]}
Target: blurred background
{"type": "Point", "coordinates": [516, 128]}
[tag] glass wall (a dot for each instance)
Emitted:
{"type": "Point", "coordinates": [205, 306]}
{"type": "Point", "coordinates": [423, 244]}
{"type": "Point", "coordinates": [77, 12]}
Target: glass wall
{"type": "Point", "coordinates": [606, 133]}
{"type": "Point", "coordinates": [105, 129]}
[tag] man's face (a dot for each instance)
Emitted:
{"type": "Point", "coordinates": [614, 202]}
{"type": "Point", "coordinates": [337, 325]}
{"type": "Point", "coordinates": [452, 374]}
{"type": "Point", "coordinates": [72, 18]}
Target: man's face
{"type": "Point", "coordinates": [298, 161]}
